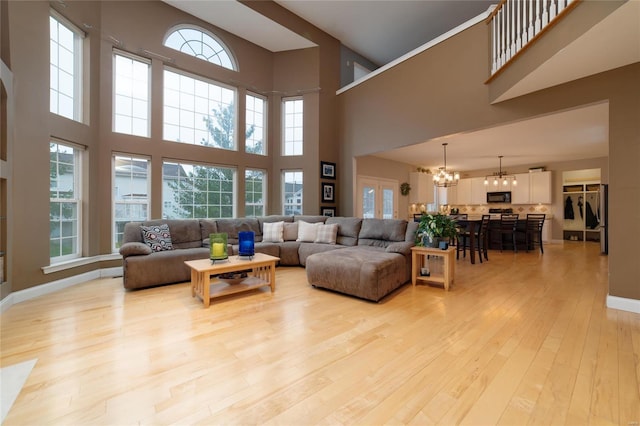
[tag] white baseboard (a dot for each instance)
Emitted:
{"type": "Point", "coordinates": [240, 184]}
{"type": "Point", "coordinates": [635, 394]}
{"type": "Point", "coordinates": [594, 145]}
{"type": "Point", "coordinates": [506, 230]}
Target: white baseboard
{"type": "Point", "coordinates": [41, 290]}
{"type": "Point", "coordinates": [623, 304]}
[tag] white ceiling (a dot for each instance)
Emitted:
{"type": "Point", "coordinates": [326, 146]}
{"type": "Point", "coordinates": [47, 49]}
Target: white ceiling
{"type": "Point", "coordinates": [384, 30]}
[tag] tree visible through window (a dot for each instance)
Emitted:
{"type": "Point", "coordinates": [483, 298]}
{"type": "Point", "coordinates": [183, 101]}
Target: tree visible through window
{"type": "Point", "coordinates": [254, 204]}
{"type": "Point", "coordinates": [198, 112]}
{"type": "Point", "coordinates": [255, 125]}
{"type": "Point", "coordinates": [197, 191]}
{"type": "Point", "coordinates": [64, 202]}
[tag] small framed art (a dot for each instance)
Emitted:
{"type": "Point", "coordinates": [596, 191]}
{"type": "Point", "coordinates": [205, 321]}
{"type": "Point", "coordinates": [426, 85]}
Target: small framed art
{"type": "Point", "coordinates": [328, 192]}
{"type": "Point", "coordinates": [327, 170]}
{"type": "Point", "coordinates": [328, 211]}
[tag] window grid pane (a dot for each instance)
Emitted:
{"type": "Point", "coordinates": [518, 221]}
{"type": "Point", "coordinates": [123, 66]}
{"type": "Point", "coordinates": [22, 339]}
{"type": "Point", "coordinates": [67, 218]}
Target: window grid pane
{"type": "Point", "coordinates": [198, 112]}
{"type": "Point", "coordinates": [197, 43]}
{"type": "Point", "coordinates": [64, 68]}
{"type": "Point", "coordinates": [64, 202]}
{"type": "Point", "coordinates": [254, 192]}
{"type": "Point", "coordinates": [293, 129]}
{"type": "Point", "coordinates": [197, 191]}
{"type": "Point", "coordinates": [131, 201]}
{"type": "Point", "coordinates": [255, 125]}
{"type": "Point", "coordinates": [292, 193]}
{"type": "Point", "coordinates": [131, 96]}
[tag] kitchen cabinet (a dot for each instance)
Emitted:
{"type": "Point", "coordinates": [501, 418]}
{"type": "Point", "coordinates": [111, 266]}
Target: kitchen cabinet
{"type": "Point", "coordinates": [447, 195]}
{"type": "Point", "coordinates": [478, 191]}
{"type": "Point", "coordinates": [463, 193]}
{"type": "Point", "coordinates": [540, 187]}
{"type": "Point", "coordinates": [521, 193]}
{"type": "Point", "coordinates": [421, 188]}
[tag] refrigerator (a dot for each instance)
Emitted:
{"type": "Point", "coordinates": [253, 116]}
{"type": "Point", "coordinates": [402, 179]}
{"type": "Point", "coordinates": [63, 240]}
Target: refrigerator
{"type": "Point", "coordinates": [603, 212]}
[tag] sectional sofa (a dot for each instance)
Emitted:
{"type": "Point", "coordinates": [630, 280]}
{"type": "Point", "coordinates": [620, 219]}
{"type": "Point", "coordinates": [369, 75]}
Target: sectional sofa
{"type": "Point", "coordinates": [366, 258]}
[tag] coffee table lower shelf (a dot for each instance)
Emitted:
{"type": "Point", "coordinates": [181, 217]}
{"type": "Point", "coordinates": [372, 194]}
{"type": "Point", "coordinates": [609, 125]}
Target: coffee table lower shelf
{"type": "Point", "coordinates": [262, 273]}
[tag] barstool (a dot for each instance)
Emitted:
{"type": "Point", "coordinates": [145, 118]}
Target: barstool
{"type": "Point", "coordinates": [507, 227]}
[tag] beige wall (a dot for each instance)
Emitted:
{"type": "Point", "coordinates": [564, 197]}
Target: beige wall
{"type": "Point", "coordinates": [441, 91]}
{"type": "Point", "coordinates": [134, 26]}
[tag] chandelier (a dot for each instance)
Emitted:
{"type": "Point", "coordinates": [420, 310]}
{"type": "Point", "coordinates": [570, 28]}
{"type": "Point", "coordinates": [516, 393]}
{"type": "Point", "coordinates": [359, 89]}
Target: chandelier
{"type": "Point", "coordinates": [444, 178]}
{"type": "Point", "coordinates": [500, 177]}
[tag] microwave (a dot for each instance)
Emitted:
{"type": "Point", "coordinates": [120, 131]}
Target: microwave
{"type": "Point", "coordinates": [499, 197]}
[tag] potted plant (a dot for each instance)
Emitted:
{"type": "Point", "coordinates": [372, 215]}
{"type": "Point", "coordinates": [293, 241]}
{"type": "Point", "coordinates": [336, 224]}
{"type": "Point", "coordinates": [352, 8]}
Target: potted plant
{"type": "Point", "coordinates": [434, 228]}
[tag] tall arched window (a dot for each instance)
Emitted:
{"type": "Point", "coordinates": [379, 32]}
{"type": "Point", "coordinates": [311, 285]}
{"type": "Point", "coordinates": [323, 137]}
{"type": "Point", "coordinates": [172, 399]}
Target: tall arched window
{"type": "Point", "coordinates": [196, 42]}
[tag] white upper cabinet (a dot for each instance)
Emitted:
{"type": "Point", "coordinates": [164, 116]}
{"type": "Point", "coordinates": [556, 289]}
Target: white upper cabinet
{"type": "Point", "coordinates": [540, 186]}
{"type": "Point", "coordinates": [421, 188]}
{"type": "Point", "coordinates": [463, 195]}
{"type": "Point", "coordinates": [478, 191]}
{"type": "Point", "coordinates": [520, 193]}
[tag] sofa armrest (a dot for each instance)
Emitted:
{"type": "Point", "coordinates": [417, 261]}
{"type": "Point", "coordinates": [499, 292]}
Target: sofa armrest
{"type": "Point", "coordinates": [403, 247]}
{"type": "Point", "coordinates": [134, 249]}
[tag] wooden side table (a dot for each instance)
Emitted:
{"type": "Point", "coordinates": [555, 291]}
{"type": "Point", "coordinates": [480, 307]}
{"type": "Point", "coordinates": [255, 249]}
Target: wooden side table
{"type": "Point", "coordinates": [448, 255]}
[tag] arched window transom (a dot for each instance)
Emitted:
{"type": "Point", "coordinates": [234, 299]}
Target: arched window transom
{"type": "Point", "coordinates": [196, 42]}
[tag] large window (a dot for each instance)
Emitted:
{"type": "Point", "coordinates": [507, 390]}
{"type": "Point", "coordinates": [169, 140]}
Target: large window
{"type": "Point", "coordinates": [292, 127]}
{"type": "Point", "coordinates": [65, 68]}
{"type": "Point", "coordinates": [254, 195]}
{"type": "Point", "coordinates": [255, 125]}
{"type": "Point", "coordinates": [130, 95]}
{"type": "Point", "coordinates": [131, 200]}
{"type": "Point", "coordinates": [64, 202]}
{"type": "Point", "coordinates": [292, 192]}
{"type": "Point", "coordinates": [198, 111]}
{"type": "Point", "coordinates": [196, 42]}
{"type": "Point", "coordinates": [197, 191]}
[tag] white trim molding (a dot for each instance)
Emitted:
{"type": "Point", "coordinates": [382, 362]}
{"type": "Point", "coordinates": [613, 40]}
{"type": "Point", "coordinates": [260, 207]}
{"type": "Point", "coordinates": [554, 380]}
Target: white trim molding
{"type": "Point", "coordinates": [57, 267]}
{"type": "Point", "coordinates": [623, 304]}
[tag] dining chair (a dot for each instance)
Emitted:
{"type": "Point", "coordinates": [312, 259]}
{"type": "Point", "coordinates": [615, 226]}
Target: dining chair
{"type": "Point", "coordinates": [481, 236]}
{"type": "Point", "coordinates": [507, 229]}
{"type": "Point", "coordinates": [533, 230]}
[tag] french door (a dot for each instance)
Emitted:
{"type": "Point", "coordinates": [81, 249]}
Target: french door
{"type": "Point", "coordinates": [376, 198]}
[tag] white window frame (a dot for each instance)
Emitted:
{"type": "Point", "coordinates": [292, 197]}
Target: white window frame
{"type": "Point", "coordinates": [116, 189]}
{"type": "Point", "coordinates": [264, 191]}
{"type": "Point", "coordinates": [134, 97]}
{"type": "Point", "coordinates": [292, 127]}
{"type": "Point", "coordinates": [187, 119]}
{"type": "Point", "coordinates": [285, 193]}
{"type": "Point", "coordinates": [249, 121]}
{"type": "Point", "coordinates": [78, 41]}
{"type": "Point", "coordinates": [77, 200]}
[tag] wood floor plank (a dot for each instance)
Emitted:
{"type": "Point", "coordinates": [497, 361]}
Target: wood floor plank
{"type": "Point", "coordinates": [524, 338]}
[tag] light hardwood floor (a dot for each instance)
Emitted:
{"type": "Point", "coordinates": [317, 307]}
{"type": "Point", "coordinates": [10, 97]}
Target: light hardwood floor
{"type": "Point", "coordinates": [522, 339]}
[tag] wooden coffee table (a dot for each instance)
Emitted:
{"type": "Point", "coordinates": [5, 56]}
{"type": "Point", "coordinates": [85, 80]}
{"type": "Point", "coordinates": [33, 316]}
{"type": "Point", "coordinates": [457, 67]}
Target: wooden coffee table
{"type": "Point", "coordinates": [262, 273]}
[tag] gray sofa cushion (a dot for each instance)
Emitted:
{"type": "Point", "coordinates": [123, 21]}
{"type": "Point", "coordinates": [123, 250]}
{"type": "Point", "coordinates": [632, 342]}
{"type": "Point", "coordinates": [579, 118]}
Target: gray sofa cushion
{"type": "Point", "coordinates": [348, 229]}
{"type": "Point", "coordinates": [163, 267]}
{"type": "Point", "coordinates": [307, 249]}
{"type": "Point", "coordinates": [289, 253]}
{"type": "Point", "coordinates": [382, 232]}
{"type": "Point", "coordinates": [310, 218]}
{"type": "Point", "coordinates": [207, 226]}
{"type": "Point", "coordinates": [233, 226]}
{"type": "Point", "coordinates": [135, 249]}
{"type": "Point", "coordinates": [366, 272]}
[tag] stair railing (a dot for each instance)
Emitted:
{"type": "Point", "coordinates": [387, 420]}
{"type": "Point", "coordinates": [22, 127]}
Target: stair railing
{"type": "Point", "coordinates": [516, 23]}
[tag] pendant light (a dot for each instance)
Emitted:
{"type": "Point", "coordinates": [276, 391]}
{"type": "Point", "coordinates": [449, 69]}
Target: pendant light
{"type": "Point", "coordinates": [501, 177]}
{"type": "Point", "coordinates": [442, 177]}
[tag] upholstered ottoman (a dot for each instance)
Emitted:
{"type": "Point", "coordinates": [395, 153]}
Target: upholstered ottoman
{"type": "Point", "coordinates": [362, 271]}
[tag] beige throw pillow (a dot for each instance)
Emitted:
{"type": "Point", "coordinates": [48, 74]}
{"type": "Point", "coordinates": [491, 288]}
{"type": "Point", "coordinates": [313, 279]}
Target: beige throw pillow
{"type": "Point", "coordinates": [273, 232]}
{"type": "Point", "coordinates": [327, 234]}
{"type": "Point", "coordinates": [307, 231]}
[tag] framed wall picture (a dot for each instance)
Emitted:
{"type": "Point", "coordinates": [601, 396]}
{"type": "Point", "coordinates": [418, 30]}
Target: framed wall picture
{"type": "Point", "coordinates": [327, 170]}
{"type": "Point", "coordinates": [328, 192]}
{"type": "Point", "coordinates": [328, 211]}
